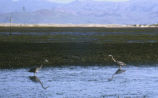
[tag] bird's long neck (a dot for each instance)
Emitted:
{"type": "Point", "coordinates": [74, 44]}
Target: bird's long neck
{"type": "Point", "coordinates": [113, 59]}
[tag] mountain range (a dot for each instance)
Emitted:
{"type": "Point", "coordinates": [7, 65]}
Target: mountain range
{"type": "Point", "coordinates": [79, 12]}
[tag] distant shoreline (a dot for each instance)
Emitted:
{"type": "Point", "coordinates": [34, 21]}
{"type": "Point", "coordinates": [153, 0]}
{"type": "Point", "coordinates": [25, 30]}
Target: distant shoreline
{"type": "Point", "coordinates": [76, 28]}
{"type": "Point", "coordinates": [78, 25]}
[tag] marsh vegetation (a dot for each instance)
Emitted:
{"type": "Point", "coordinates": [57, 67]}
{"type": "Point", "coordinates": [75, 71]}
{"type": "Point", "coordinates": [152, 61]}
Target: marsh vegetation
{"type": "Point", "coordinates": [77, 46]}
{"type": "Point", "coordinates": [15, 55]}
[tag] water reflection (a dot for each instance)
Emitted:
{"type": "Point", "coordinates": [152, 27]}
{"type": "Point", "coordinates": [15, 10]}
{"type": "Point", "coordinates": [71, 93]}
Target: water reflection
{"type": "Point", "coordinates": [80, 82]}
{"type": "Point", "coordinates": [37, 80]}
{"type": "Point", "coordinates": [118, 71]}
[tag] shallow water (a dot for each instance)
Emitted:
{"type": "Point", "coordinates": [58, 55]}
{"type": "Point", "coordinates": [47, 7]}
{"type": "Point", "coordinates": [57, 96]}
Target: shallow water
{"type": "Point", "coordinates": [78, 33]}
{"type": "Point", "coordinates": [80, 82]}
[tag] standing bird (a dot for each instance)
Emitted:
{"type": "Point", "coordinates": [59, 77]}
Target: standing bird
{"type": "Point", "coordinates": [120, 63]}
{"type": "Point", "coordinates": [36, 69]}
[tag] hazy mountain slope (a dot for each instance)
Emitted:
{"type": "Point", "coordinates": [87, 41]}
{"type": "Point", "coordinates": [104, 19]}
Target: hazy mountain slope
{"type": "Point", "coordinates": [83, 12]}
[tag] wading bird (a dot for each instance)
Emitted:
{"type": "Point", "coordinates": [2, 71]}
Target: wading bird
{"type": "Point", "coordinates": [36, 69]}
{"type": "Point", "coordinates": [120, 63]}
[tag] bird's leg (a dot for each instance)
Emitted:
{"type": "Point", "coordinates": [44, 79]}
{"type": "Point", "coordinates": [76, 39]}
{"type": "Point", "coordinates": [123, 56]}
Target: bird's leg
{"type": "Point", "coordinates": [35, 74]}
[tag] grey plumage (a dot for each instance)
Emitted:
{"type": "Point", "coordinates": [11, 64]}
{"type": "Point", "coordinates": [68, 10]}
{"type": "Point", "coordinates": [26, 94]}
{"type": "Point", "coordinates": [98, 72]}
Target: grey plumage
{"type": "Point", "coordinates": [36, 69]}
{"type": "Point", "coordinates": [118, 71]}
{"type": "Point", "coordinates": [120, 63]}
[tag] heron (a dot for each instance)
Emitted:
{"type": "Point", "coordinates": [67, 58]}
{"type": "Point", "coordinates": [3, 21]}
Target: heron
{"type": "Point", "coordinates": [36, 69]}
{"type": "Point", "coordinates": [120, 63]}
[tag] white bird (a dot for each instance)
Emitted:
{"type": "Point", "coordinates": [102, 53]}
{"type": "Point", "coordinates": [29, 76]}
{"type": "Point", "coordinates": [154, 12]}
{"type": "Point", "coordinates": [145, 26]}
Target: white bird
{"type": "Point", "coordinates": [120, 63]}
{"type": "Point", "coordinates": [36, 69]}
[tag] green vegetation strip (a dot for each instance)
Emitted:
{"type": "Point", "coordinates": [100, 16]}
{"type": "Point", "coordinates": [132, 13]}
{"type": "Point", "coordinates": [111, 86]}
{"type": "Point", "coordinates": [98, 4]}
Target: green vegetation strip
{"type": "Point", "coordinates": [19, 55]}
{"type": "Point", "coordinates": [115, 38]}
{"type": "Point", "coordinates": [78, 29]}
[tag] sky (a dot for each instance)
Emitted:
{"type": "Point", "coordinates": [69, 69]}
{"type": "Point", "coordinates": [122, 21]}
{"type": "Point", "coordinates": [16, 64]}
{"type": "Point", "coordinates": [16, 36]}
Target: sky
{"type": "Point", "coordinates": [68, 1]}
{"type": "Point", "coordinates": [84, 11]}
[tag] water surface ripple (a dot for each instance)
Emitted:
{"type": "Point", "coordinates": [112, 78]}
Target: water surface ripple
{"type": "Point", "coordinates": [80, 82]}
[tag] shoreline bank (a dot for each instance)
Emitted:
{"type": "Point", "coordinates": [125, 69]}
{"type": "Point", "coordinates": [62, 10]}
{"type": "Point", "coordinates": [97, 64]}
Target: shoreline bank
{"type": "Point", "coordinates": [78, 25]}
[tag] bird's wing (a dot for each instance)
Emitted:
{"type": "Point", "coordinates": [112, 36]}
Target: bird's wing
{"type": "Point", "coordinates": [120, 63]}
